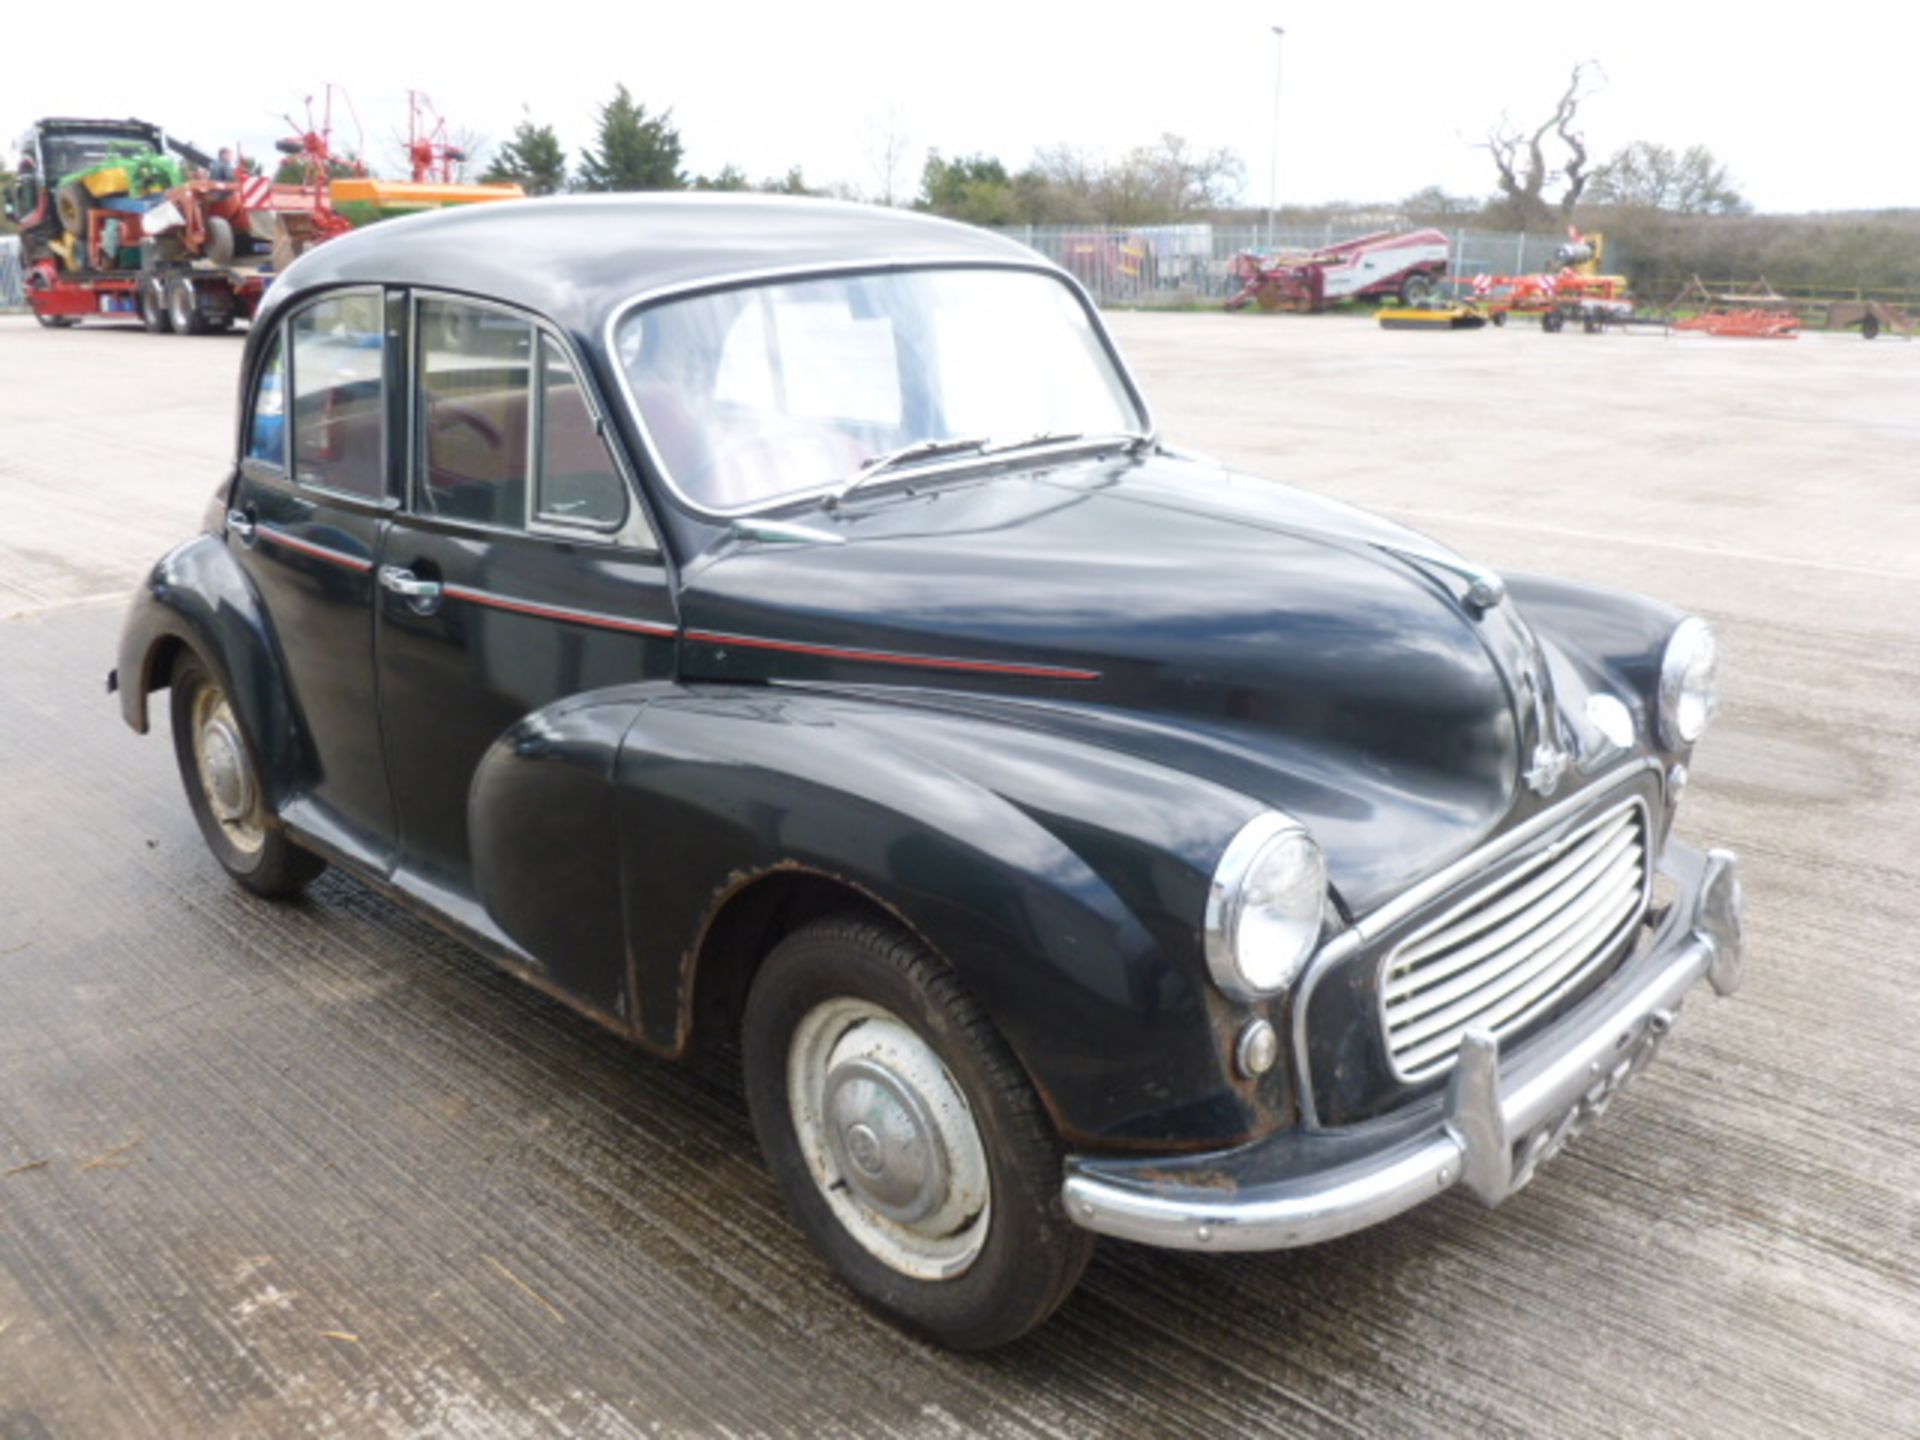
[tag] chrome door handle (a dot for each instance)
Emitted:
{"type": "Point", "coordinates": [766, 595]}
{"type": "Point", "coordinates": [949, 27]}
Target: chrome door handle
{"type": "Point", "coordinates": [241, 524]}
{"type": "Point", "coordinates": [422, 595]}
{"type": "Point", "coordinates": [405, 582]}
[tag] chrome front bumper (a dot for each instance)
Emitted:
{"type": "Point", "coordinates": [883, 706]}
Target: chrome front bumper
{"type": "Point", "coordinates": [1498, 1121]}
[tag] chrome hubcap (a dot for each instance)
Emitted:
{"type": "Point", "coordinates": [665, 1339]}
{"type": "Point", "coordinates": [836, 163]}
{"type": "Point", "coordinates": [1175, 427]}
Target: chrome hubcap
{"type": "Point", "coordinates": [226, 779]}
{"type": "Point", "coordinates": [227, 783]}
{"type": "Point", "coordinates": [890, 1139]}
{"type": "Point", "coordinates": [884, 1143]}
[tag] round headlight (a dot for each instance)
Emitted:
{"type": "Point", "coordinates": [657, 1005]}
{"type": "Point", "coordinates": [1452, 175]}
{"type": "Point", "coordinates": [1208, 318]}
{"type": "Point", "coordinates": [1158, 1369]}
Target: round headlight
{"type": "Point", "coordinates": [1263, 908]}
{"type": "Point", "coordinates": [1689, 683]}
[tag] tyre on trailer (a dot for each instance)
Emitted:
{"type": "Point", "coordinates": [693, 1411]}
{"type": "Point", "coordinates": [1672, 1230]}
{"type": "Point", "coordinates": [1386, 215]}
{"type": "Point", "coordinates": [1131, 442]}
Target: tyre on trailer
{"type": "Point", "coordinates": [905, 1136]}
{"type": "Point", "coordinates": [1869, 326]}
{"type": "Point", "coordinates": [183, 306]}
{"type": "Point", "coordinates": [219, 241]}
{"type": "Point", "coordinates": [1499, 318]}
{"type": "Point", "coordinates": [153, 303]}
{"type": "Point", "coordinates": [1551, 321]}
{"type": "Point", "coordinates": [73, 202]}
{"type": "Point", "coordinates": [224, 791]}
{"type": "Point", "coordinates": [1416, 288]}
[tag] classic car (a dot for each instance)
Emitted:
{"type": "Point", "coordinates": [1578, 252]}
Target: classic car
{"type": "Point", "coordinates": [779, 624]}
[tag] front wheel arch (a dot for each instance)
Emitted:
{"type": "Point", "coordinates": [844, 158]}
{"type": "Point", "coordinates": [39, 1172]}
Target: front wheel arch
{"type": "Point", "coordinates": [743, 928]}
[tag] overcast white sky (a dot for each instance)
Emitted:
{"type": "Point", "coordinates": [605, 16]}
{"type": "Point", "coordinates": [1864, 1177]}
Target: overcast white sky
{"type": "Point", "coordinates": [1376, 100]}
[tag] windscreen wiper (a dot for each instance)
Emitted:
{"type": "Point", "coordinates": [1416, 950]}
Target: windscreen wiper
{"type": "Point", "coordinates": [888, 460]}
{"type": "Point", "coordinates": [875, 466]}
{"type": "Point", "coordinates": [1041, 438]}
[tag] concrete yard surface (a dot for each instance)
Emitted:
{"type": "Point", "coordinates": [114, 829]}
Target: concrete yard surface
{"type": "Point", "coordinates": [314, 1169]}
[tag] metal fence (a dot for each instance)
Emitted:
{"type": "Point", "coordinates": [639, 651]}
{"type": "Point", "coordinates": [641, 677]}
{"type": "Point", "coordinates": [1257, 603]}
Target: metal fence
{"type": "Point", "coordinates": [12, 294]}
{"type": "Point", "coordinates": [1192, 264]}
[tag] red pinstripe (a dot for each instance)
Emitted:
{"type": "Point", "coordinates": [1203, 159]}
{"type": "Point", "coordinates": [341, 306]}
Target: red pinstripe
{"type": "Point", "coordinates": [891, 657]}
{"type": "Point", "coordinates": [559, 612]}
{"type": "Point", "coordinates": [319, 552]}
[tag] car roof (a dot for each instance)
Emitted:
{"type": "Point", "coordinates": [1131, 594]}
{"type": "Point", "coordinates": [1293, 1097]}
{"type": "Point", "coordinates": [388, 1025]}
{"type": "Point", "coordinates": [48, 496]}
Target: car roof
{"type": "Point", "coordinates": [577, 258]}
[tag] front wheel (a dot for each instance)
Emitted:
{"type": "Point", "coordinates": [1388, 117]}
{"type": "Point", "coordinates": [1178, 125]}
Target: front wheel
{"type": "Point", "coordinates": [905, 1137]}
{"type": "Point", "coordinates": [224, 790]}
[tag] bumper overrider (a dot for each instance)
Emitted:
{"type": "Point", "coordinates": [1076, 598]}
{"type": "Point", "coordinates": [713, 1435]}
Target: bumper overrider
{"type": "Point", "coordinates": [1500, 1118]}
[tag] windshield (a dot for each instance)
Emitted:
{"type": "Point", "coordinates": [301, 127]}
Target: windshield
{"type": "Point", "coordinates": [70, 150]}
{"type": "Point", "coordinates": [769, 392]}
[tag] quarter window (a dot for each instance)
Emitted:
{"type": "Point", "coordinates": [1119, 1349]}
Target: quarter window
{"type": "Point", "coordinates": [339, 398]}
{"type": "Point", "coordinates": [579, 484]}
{"type": "Point", "coordinates": [475, 419]}
{"type": "Point", "coordinates": [267, 437]}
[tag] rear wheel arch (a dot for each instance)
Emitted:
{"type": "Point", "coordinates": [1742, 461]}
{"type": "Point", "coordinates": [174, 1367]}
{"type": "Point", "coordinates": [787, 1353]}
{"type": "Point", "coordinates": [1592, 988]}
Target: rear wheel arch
{"type": "Point", "coordinates": [199, 603]}
{"type": "Point", "coordinates": [156, 673]}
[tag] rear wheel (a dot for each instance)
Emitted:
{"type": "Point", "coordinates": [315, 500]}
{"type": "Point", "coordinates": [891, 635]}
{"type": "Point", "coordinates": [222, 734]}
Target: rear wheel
{"type": "Point", "coordinates": [1415, 288]}
{"type": "Point", "coordinates": [906, 1138]}
{"type": "Point", "coordinates": [224, 790]}
{"type": "Point", "coordinates": [153, 304]}
{"type": "Point", "coordinates": [183, 306]}
{"type": "Point", "coordinates": [1869, 326]}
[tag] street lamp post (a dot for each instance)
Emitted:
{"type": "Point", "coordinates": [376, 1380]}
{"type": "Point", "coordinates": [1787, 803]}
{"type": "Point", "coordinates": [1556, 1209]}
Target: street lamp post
{"type": "Point", "coordinates": [1273, 151]}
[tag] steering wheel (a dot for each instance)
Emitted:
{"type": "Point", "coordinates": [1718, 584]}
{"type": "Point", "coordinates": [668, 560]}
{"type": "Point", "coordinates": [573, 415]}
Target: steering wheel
{"type": "Point", "coordinates": [446, 414]}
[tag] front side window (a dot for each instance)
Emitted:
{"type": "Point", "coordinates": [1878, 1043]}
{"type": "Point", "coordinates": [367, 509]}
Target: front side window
{"type": "Point", "coordinates": [768, 392]}
{"type": "Point", "coordinates": [339, 396]}
{"type": "Point", "coordinates": [474, 410]}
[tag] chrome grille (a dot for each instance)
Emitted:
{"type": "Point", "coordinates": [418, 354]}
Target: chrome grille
{"type": "Point", "coordinates": [1499, 957]}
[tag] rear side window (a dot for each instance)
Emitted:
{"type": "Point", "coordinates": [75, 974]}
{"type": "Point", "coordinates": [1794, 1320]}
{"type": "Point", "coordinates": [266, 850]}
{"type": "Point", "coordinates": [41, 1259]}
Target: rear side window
{"type": "Point", "coordinates": [267, 436]}
{"type": "Point", "coordinates": [339, 398]}
{"type": "Point", "coordinates": [474, 410]}
{"type": "Point", "coordinates": [578, 482]}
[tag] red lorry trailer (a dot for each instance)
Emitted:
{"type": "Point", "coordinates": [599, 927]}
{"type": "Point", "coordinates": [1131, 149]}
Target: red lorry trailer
{"type": "Point", "coordinates": [118, 219]}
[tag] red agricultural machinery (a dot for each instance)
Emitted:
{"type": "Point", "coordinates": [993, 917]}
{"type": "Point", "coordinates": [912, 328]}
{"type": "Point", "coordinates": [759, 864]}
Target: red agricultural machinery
{"type": "Point", "coordinates": [118, 219]}
{"type": "Point", "coordinates": [430, 153]}
{"type": "Point", "coordinates": [1407, 265]}
{"type": "Point", "coordinates": [1576, 292]}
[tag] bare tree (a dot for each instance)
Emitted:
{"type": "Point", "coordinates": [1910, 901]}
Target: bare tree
{"type": "Point", "coordinates": [887, 146]}
{"type": "Point", "coordinates": [1524, 168]}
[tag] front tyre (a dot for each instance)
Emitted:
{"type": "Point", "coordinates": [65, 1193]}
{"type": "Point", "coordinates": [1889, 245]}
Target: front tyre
{"type": "Point", "coordinates": [224, 790]}
{"type": "Point", "coordinates": [905, 1137]}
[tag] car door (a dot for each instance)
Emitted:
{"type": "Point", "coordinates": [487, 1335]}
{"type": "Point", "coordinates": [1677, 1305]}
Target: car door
{"type": "Point", "coordinates": [306, 517]}
{"type": "Point", "coordinates": [520, 572]}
